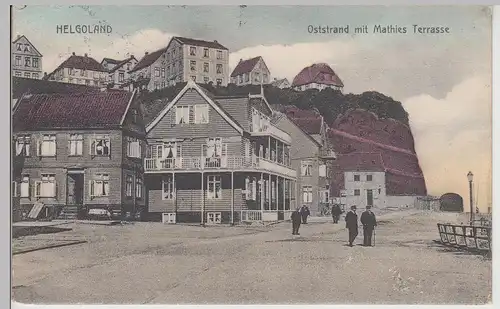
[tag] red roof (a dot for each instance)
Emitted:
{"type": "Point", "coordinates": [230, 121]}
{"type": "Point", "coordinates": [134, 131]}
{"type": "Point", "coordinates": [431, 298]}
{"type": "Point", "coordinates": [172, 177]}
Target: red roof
{"type": "Point", "coordinates": [202, 43]}
{"type": "Point", "coordinates": [148, 59]}
{"type": "Point", "coordinates": [81, 63]}
{"type": "Point", "coordinates": [245, 66]}
{"type": "Point", "coordinates": [308, 125]}
{"type": "Point", "coordinates": [71, 111]}
{"type": "Point", "coordinates": [319, 73]}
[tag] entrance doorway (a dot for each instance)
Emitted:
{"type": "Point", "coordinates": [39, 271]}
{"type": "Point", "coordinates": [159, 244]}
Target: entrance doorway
{"type": "Point", "coordinates": [369, 197]}
{"type": "Point", "coordinates": [75, 182]}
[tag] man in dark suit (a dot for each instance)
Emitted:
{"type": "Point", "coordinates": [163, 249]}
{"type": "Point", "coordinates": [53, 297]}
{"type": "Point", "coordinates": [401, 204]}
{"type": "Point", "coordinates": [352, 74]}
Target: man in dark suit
{"type": "Point", "coordinates": [351, 223]}
{"type": "Point", "coordinates": [296, 221]}
{"type": "Point", "coordinates": [304, 212]}
{"type": "Point", "coordinates": [369, 223]}
{"type": "Point", "coordinates": [336, 211]}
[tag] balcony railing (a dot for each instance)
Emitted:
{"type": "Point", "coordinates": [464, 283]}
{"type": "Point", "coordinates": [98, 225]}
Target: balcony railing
{"type": "Point", "coordinates": [251, 215]}
{"type": "Point", "coordinates": [269, 129]}
{"type": "Point", "coordinates": [217, 163]}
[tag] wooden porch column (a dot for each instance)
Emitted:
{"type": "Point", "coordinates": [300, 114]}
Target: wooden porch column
{"type": "Point", "coordinates": [284, 196]}
{"type": "Point", "coordinates": [269, 191]}
{"type": "Point", "coordinates": [283, 154]}
{"type": "Point", "coordinates": [262, 192]}
{"type": "Point", "coordinates": [202, 198]}
{"type": "Point", "coordinates": [232, 198]}
{"type": "Point", "coordinates": [269, 150]}
{"type": "Point", "coordinates": [175, 195]}
{"type": "Point", "coordinates": [277, 193]}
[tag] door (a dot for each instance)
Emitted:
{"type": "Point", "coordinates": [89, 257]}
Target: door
{"type": "Point", "coordinates": [75, 189]}
{"type": "Point", "coordinates": [369, 197]}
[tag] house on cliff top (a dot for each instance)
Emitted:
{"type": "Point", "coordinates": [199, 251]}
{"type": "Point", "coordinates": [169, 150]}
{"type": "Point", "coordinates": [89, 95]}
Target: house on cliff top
{"type": "Point", "coordinates": [317, 76]}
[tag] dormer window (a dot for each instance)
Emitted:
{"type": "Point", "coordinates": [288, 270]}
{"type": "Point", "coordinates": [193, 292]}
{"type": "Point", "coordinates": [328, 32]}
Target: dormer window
{"type": "Point", "coordinates": [192, 51]}
{"type": "Point", "coordinates": [134, 116]}
{"type": "Point", "coordinates": [26, 47]}
{"type": "Point", "coordinates": [19, 46]}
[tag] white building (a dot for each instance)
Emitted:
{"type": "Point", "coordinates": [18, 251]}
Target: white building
{"type": "Point", "coordinates": [119, 74]}
{"type": "Point", "coordinates": [252, 71]}
{"type": "Point", "coordinates": [26, 59]}
{"type": "Point", "coordinates": [83, 70]}
{"type": "Point", "coordinates": [317, 76]}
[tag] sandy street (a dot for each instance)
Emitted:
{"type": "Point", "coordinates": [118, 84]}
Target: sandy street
{"type": "Point", "coordinates": [150, 263]}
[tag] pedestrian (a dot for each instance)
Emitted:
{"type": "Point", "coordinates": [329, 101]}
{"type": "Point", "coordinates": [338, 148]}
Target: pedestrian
{"type": "Point", "coordinates": [369, 223]}
{"type": "Point", "coordinates": [304, 213]}
{"type": "Point", "coordinates": [351, 223]}
{"type": "Point", "coordinates": [295, 221]}
{"type": "Point", "coordinates": [336, 211]}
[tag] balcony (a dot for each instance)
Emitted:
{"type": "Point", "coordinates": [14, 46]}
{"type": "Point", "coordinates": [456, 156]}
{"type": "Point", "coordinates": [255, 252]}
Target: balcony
{"type": "Point", "coordinates": [227, 163]}
{"type": "Point", "coordinates": [268, 129]}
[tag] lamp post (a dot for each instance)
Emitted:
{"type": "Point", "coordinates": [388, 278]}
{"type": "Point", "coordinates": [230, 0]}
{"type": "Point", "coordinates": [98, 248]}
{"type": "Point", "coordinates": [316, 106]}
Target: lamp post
{"type": "Point", "coordinates": [470, 177]}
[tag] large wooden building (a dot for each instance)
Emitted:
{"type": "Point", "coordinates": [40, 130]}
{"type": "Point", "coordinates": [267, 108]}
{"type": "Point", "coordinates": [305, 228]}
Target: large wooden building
{"type": "Point", "coordinates": [218, 160]}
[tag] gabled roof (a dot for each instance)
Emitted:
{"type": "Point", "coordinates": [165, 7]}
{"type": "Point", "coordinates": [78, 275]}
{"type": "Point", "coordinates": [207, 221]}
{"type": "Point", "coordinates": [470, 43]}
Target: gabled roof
{"type": "Point", "coordinates": [245, 66]}
{"type": "Point", "coordinates": [72, 111]}
{"type": "Point", "coordinates": [278, 116]}
{"type": "Point", "coordinates": [81, 63]}
{"type": "Point", "coordinates": [309, 125]}
{"type": "Point", "coordinates": [201, 43]}
{"type": "Point", "coordinates": [121, 63]}
{"type": "Point", "coordinates": [109, 60]}
{"type": "Point", "coordinates": [278, 82]}
{"type": "Point", "coordinates": [21, 85]}
{"type": "Point", "coordinates": [320, 73]}
{"type": "Point", "coordinates": [210, 98]}
{"type": "Point", "coordinates": [148, 59]}
{"type": "Point", "coordinates": [22, 36]}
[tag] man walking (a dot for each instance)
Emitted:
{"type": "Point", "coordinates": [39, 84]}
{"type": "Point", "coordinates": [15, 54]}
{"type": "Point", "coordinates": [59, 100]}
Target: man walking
{"type": "Point", "coordinates": [295, 221]}
{"type": "Point", "coordinates": [369, 223]}
{"type": "Point", "coordinates": [351, 223]}
{"type": "Point", "coordinates": [304, 212]}
{"type": "Point", "coordinates": [336, 211]}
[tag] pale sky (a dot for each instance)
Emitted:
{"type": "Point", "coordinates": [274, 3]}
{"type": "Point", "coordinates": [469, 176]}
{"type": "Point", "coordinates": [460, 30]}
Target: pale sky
{"type": "Point", "coordinates": [444, 81]}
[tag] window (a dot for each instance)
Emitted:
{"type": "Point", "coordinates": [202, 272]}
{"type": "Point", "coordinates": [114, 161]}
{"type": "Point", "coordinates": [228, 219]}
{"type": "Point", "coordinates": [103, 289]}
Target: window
{"type": "Point", "coordinates": [265, 80]}
{"type": "Point", "coordinates": [201, 113]}
{"type": "Point", "coordinates": [99, 186]}
{"type": "Point", "coordinates": [18, 60]}
{"type": "Point", "coordinates": [75, 144]}
{"type": "Point", "coordinates": [133, 147]}
{"type": "Point", "coordinates": [35, 75]}
{"type": "Point", "coordinates": [47, 146]}
{"type": "Point", "coordinates": [157, 72]}
{"type": "Point", "coordinates": [192, 51]}
{"type": "Point", "coordinates": [168, 70]}
{"type": "Point", "coordinates": [70, 80]}
{"type": "Point", "coordinates": [206, 80]}
{"type": "Point", "coordinates": [26, 74]}
{"type": "Point", "coordinates": [356, 192]}
{"type": "Point", "coordinates": [138, 187]}
{"type": "Point", "coordinates": [219, 68]}
{"type": "Point", "coordinates": [219, 81]}
{"type": "Point", "coordinates": [100, 146]}
{"type": "Point", "coordinates": [163, 84]}
{"type": "Point", "coordinates": [157, 85]}
{"type": "Point", "coordinates": [193, 78]}
{"type": "Point", "coordinates": [25, 186]}
{"type": "Point", "coordinates": [26, 47]}
{"type": "Point", "coordinates": [306, 168]}
{"type": "Point", "coordinates": [214, 187]}
{"type": "Point", "coordinates": [247, 77]}
{"type": "Point", "coordinates": [128, 185]}
{"type": "Point", "coordinates": [251, 188]}
{"type": "Point", "coordinates": [121, 77]}
{"type": "Point", "coordinates": [46, 187]}
{"type": "Point", "coordinates": [27, 61]}
{"type": "Point", "coordinates": [325, 196]}
{"type": "Point", "coordinates": [128, 66]}
{"type": "Point", "coordinates": [206, 67]}
{"type": "Point", "coordinates": [19, 46]}
{"type": "Point", "coordinates": [18, 74]}
{"type": "Point", "coordinates": [307, 194]}
{"type": "Point", "coordinates": [35, 62]}
{"type": "Point", "coordinates": [214, 217]}
{"type": "Point", "coordinates": [134, 115]}
{"type": "Point", "coordinates": [173, 53]}
{"type": "Point", "coordinates": [70, 71]}
{"type": "Point", "coordinates": [87, 82]}
{"type": "Point", "coordinates": [23, 143]}
{"type": "Point", "coordinates": [205, 52]}
{"type": "Point", "coordinates": [162, 72]}
{"type": "Point", "coordinates": [240, 78]}
{"type": "Point", "coordinates": [182, 114]}
{"type": "Point", "coordinates": [192, 64]}
{"type": "Point", "coordinates": [168, 56]}
{"type": "Point", "coordinates": [369, 177]}
{"type": "Point", "coordinates": [168, 187]}
{"type": "Point", "coordinates": [356, 177]}
{"type": "Point", "coordinates": [83, 73]}
{"type": "Point", "coordinates": [322, 170]}
{"type": "Point", "coordinates": [219, 54]}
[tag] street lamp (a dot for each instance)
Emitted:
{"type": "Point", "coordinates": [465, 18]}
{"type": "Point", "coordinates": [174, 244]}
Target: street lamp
{"type": "Point", "coordinates": [470, 177]}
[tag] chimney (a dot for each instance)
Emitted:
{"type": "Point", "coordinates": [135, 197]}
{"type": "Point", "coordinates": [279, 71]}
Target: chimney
{"type": "Point", "coordinates": [215, 41]}
{"type": "Point", "coordinates": [86, 55]}
{"type": "Point", "coordinates": [241, 60]}
{"type": "Point", "coordinates": [44, 74]}
{"type": "Point", "coordinates": [146, 53]}
{"type": "Point", "coordinates": [73, 53]}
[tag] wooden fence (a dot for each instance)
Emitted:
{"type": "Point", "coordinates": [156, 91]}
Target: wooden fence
{"type": "Point", "coordinates": [466, 236]}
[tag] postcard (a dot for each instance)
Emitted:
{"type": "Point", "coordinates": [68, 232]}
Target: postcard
{"type": "Point", "coordinates": [251, 154]}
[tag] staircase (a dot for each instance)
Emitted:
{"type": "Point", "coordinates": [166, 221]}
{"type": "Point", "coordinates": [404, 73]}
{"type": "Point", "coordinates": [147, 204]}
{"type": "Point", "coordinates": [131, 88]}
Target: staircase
{"type": "Point", "coordinates": [69, 212]}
